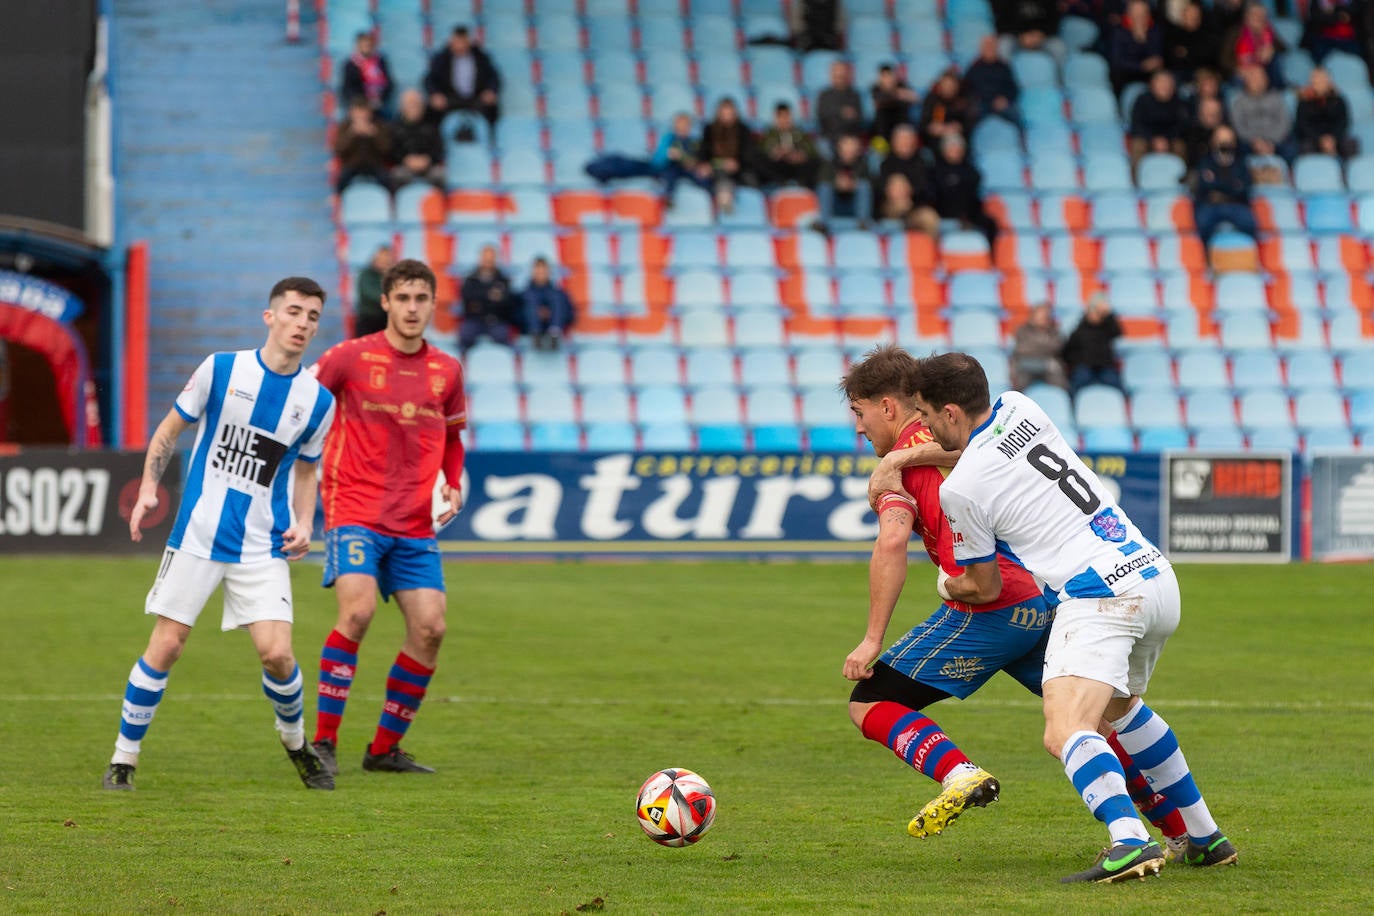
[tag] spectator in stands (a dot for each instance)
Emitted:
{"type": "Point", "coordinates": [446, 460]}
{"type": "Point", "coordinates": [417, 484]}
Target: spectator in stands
{"type": "Point", "coordinates": [958, 188]}
{"type": "Point", "coordinates": [946, 111]}
{"type": "Point", "coordinates": [1261, 116]}
{"type": "Point", "coordinates": [1222, 191]}
{"type": "Point", "coordinates": [1332, 25]}
{"type": "Point", "coordinates": [368, 315]}
{"type": "Point", "coordinates": [727, 152]}
{"type": "Point", "coordinates": [461, 77]}
{"type": "Point", "coordinates": [1189, 44]}
{"type": "Point", "coordinates": [1206, 85]}
{"type": "Point", "coordinates": [362, 146]}
{"type": "Point", "coordinates": [892, 102]}
{"type": "Point", "coordinates": [839, 109]}
{"type": "Point", "coordinates": [845, 191]}
{"type": "Point", "coordinates": [366, 75]}
{"type": "Point", "coordinates": [488, 304]}
{"type": "Point", "coordinates": [548, 312]}
{"type": "Point", "coordinates": [1031, 22]}
{"type": "Point", "coordinates": [904, 192]}
{"type": "Point", "coordinates": [990, 84]}
{"type": "Point", "coordinates": [786, 154]}
{"type": "Point", "coordinates": [1035, 352]}
{"type": "Point", "coordinates": [1210, 115]}
{"type": "Point", "coordinates": [675, 158]}
{"type": "Point", "coordinates": [1158, 119]}
{"type": "Point", "coordinates": [1136, 47]}
{"type": "Point", "coordinates": [417, 147]}
{"type": "Point", "coordinates": [817, 25]}
{"type": "Point", "coordinates": [1090, 352]}
{"type": "Point", "coordinates": [1322, 123]}
{"type": "Point", "coordinates": [1254, 44]}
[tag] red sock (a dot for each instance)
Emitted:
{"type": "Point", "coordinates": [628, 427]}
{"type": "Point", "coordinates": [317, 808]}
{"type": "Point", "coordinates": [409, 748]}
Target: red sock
{"type": "Point", "coordinates": [1157, 809]}
{"type": "Point", "coordinates": [405, 688]}
{"type": "Point", "coordinates": [338, 664]}
{"type": "Point", "coordinates": [913, 737]}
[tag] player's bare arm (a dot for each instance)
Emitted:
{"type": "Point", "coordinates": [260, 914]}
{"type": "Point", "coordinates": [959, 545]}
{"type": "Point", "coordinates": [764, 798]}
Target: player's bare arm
{"type": "Point", "coordinates": [887, 476]}
{"type": "Point", "coordinates": [454, 497]}
{"type": "Point", "coordinates": [980, 583]}
{"type": "Point", "coordinates": [886, 576]}
{"type": "Point", "coordinates": [296, 539]}
{"type": "Point", "coordinates": [161, 449]}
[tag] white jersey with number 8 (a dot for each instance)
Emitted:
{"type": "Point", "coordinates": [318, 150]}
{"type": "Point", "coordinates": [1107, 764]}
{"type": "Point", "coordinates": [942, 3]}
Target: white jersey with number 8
{"type": "Point", "coordinates": [1019, 489]}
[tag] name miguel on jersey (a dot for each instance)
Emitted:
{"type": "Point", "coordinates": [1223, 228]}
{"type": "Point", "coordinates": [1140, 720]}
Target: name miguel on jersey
{"type": "Point", "coordinates": [245, 453]}
{"type": "Point", "coordinates": [1017, 438]}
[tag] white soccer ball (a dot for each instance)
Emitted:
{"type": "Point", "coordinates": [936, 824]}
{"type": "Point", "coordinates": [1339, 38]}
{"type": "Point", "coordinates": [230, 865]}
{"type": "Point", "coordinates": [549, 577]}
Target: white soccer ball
{"type": "Point", "coordinates": [675, 807]}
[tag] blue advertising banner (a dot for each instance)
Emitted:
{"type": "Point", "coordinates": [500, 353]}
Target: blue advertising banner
{"type": "Point", "coordinates": [674, 504]}
{"type": "Point", "coordinates": [38, 295]}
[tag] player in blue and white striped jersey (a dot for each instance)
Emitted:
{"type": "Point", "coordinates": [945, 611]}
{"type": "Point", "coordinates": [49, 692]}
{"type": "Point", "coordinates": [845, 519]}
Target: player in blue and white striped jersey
{"type": "Point", "coordinates": [248, 506]}
{"type": "Point", "coordinates": [1019, 490]}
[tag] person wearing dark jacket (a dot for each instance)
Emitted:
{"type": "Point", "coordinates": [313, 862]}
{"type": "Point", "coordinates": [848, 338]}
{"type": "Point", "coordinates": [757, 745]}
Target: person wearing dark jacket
{"type": "Point", "coordinates": [946, 110]}
{"type": "Point", "coordinates": [957, 188]}
{"type": "Point", "coordinates": [990, 84]}
{"type": "Point", "coordinates": [892, 102]}
{"type": "Point", "coordinates": [1158, 119]}
{"type": "Point", "coordinates": [417, 147]}
{"type": "Point", "coordinates": [1136, 47]}
{"type": "Point", "coordinates": [1208, 116]}
{"type": "Point", "coordinates": [1190, 44]}
{"type": "Point", "coordinates": [548, 312]}
{"type": "Point", "coordinates": [1322, 124]}
{"type": "Point", "coordinates": [368, 315]}
{"type": "Point", "coordinates": [1222, 192]}
{"type": "Point", "coordinates": [1090, 352]}
{"type": "Point", "coordinates": [725, 154]}
{"type": "Point", "coordinates": [366, 75]}
{"type": "Point", "coordinates": [903, 190]}
{"type": "Point", "coordinates": [845, 191]}
{"type": "Point", "coordinates": [1333, 25]}
{"type": "Point", "coordinates": [362, 145]}
{"type": "Point", "coordinates": [461, 77]}
{"type": "Point", "coordinates": [839, 109]}
{"type": "Point", "coordinates": [488, 304]}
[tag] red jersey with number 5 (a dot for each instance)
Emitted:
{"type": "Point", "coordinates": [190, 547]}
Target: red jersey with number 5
{"type": "Point", "coordinates": [397, 424]}
{"type": "Point", "coordinates": [922, 497]}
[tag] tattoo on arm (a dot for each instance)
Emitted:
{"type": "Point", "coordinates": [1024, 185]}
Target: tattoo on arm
{"type": "Point", "coordinates": [160, 453]}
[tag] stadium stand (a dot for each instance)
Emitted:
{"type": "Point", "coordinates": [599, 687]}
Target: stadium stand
{"type": "Point", "coordinates": [729, 331]}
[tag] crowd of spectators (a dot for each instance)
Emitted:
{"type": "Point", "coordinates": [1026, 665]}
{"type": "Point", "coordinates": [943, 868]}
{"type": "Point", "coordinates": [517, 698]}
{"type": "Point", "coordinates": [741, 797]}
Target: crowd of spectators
{"type": "Point", "coordinates": [395, 145]}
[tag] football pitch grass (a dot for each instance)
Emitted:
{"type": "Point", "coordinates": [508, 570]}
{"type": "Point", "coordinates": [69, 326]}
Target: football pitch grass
{"type": "Point", "coordinates": [562, 686]}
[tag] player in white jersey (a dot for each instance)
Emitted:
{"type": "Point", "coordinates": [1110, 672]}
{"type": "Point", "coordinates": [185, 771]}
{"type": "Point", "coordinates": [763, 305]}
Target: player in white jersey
{"type": "Point", "coordinates": [248, 506]}
{"type": "Point", "coordinates": [1020, 490]}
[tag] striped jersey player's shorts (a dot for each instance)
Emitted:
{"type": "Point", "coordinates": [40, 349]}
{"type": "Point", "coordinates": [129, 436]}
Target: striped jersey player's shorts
{"type": "Point", "coordinates": [958, 651]}
{"type": "Point", "coordinates": [396, 563]}
{"type": "Point", "coordinates": [253, 592]}
{"type": "Point", "coordinates": [1116, 640]}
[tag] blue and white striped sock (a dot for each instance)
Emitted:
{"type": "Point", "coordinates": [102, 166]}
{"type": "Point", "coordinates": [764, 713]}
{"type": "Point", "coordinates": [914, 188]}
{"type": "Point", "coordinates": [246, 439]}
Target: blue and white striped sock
{"type": "Point", "coordinates": [287, 701]}
{"type": "Point", "coordinates": [1095, 772]}
{"type": "Point", "coordinates": [1152, 745]}
{"type": "Point", "coordinates": [141, 696]}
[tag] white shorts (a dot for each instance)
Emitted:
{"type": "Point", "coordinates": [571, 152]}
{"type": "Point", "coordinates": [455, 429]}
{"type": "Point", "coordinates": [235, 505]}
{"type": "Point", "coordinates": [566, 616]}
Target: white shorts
{"type": "Point", "coordinates": [252, 591]}
{"type": "Point", "coordinates": [1115, 640]}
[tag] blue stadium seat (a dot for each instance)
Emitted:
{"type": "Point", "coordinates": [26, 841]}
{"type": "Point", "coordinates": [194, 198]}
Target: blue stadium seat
{"type": "Point", "coordinates": [703, 328]}
{"type": "Point", "coordinates": [819, 367]}
{"type": "Point", "coordinates": [858, 250]}
{"type": "Point", "coordinates": [1310, 370]}
{"type": "Point", "coordinates": [727, 437]}
{"type": "Point", "coordinates": [1362, 411]}
{"type": "Point", "coordinates": [600, 364]}
{"type": "Point", "coordinates": [771, 406]}
{"type": "Point", "coordinates": [1099, 406]}
{"type": "Point", "coordinates": [777, 438]}
{"type": "Point", "coordinates": [666, 100]}
{"type": "Point", "coordinates": [1328, 213]}
{"type": "Point", "coordinates": [660, 404]}
{"type": "Point", "coordinates": [1126, 252]}
{"type": "Point", "coordinates": [1359, 173]}
{"type": "Point", "coordinates": [1245, 331]}
{"type": "Point", "coordinates": [862, 294]}
{"type": "Point", "coordinates": [1132, 294]}
{"type": "Point", "coordinates": [530, 207]}
{"type": "Point", "coordinates": [1116, 211]}
{"type": "Point", "coordinates": [608, 34]}
{"type": "Point", "coordinates": [1201, 371]}
{"type": "Point", "coordinates": [819, 292]}
{"type": "Point", "coordinates": [748, 249]}
{"type": "Point", "coordinates": [832, 438]}
{"type": "Point", "coordinates": [654, 366]}
{"type": "Point", "coordinates": [1317, 173]}
{"type": "Point", "coordinates": [976, 289]}
{"type": "Point", "coordinates": [1156, 407]}
{"type": "Point", "coordinates": [709, 366]}
{"type": "Point", "coordinates": [764, 367]}
{"type": "Point", "coordinates": [610, 437]}
{"type": "Point", "coordinates": [710, 31]}
{"type": "Point", "coordinates": [1163, 439]}
{"type": "Point", "coordinates": [1219, 436]}
{"type": "Point", "coordinates": [521, 167]}
{"type": "Point", "coordinates": [665, 66]}
{"type": "Point", "coordinates": [1086, 69]}
{"type": "Point", "coordinates": [1146, 369]}
{"type": "Point", "coordinates": [504, 31]}
{"type": "Point", "coordinates": [759, 329]}
{"type": "Point", "coordinates": [1357, 370]}
{"type": "Point", "coordinates": [1283, 438]}
{"type": "Point", "coordinates": [492, 363]}
{"type": "Point", "coordinates": [1001, 169]}
{"type": "Point", "coordinates": [1107, 172]}
{"type": "Point", "coordinates": [1256, 368]}
{"type": "Point", "coordinates": [1241, 293]}
{"type": "Point", "coordinates": [1208, 409]}
{"type": "Point", "coordinates": [750, 210]}
{"type": "Point", "coordinates": [621, 101]}
{"type": "Point", "coordinates": [1319, 409]}
{"type": "Point", "coordinates": [825, 406]}
{"type": "Point", "coordinates": [1330, 439]}
{"type": "Point", "coordinates": [499, 436]}
{"type": "Point", "coordinates": [754, 289]}
{"type": "Point", "coordinates": [1262, 408]}
{"type": "Point", "coordinates": [975, 328]}
{"type": "Point", "coordinates": [691, 208]}
{"type": "Point", "coordinates": [1296, 66]}
{"type": "Point", "coordinates": [363, 203]}
{"type": "Point", "coordinates": [1054, 174]}
{"type": "Point", "coordinates": [1077, 33]}
{"type": "Point", "coordinates": [1055, 402]}
{"type": "Point", "coordinates": [539, 369]}
{"type": "Point", "coordinates": [1034, 68]}
{"type": "Point", "coordinates": [661, 34]}
{"type": "Point", "coordinates": [694, 249]}
{"type": "Point", "coordinates": [606, 404]}
{"type": "Point", "coordinates": [1108, 439]}
{"type": "Point", "coordinates": [1160, 172]}
{"type": "Point", "coordinates": [490, 403]}
{"type": "Point", "coordinates": [1092, 103]}
{"type": "Point", "coordinates": [716, 405]}
{"type": "Point", "coordinates": [555, 436]}
{"type": "Point", "coordinates": [663, 436]}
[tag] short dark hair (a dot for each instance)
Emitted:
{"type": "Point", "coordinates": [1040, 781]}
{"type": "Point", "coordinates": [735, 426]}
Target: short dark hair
{"type": "Point", "coordinates": [953, 378]}
{"type": "Point", "coordinates": [303, 285]}
{"type": "Point", "coordinates": [781, 107]}
{"type": "Point", "coordinates": [885, 68]}
{"type": "Point", "coordinates": [460, 30]}
{"type": "Point", "coordinates": [406, 270]}
{"type": "Point", "coordinates": [886, 370]}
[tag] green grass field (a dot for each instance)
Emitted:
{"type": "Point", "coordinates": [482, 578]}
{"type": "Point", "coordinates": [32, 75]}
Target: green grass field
{"type": "Point", "coordinates": [562, 686]}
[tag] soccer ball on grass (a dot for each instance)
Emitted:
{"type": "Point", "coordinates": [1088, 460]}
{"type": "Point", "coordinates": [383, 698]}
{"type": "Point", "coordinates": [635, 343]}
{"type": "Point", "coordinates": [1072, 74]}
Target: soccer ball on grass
{"type": "Point", "coordinates": [676, 807]}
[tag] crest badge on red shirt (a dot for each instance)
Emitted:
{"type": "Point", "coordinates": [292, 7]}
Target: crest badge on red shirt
{"type": "Point", "coordinates": [436, 385]}
{"type": "Point", "coordinates": [377, 377]}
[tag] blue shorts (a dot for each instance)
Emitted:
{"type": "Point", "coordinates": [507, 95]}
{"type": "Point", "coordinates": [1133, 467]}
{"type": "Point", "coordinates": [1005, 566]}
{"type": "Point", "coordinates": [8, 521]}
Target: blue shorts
{"type": "Point", "coordinates": [396, 563]}
{"type": "Point", "coordinates": [958, 652]}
